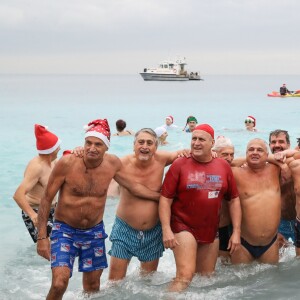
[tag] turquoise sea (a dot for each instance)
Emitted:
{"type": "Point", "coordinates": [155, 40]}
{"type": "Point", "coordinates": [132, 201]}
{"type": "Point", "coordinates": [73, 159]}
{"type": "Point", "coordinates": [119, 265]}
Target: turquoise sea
{"type": "Point", "coordinates": [66, 103]}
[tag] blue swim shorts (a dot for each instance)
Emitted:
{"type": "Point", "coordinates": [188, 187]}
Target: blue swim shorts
{"type": "Point", "coordinates": [128, 242]}
{"type": "Point", "coordinates": [88, 244]}
{"type": "Point", "coordinates": [287, 229]}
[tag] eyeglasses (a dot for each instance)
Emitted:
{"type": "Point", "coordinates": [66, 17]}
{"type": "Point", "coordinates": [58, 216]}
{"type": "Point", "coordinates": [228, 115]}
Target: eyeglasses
{"type": "Point", "coordinates": [248, 121]}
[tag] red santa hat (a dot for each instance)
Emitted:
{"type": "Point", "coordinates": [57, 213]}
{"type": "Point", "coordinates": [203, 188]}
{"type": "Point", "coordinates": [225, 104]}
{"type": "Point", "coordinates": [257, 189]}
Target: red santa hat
{"type": "Point", "coordinates": [46, 141]}
{"type": "Point", "coordinates": [207, 128]}
{"type": "Point", "coordinates": [99, 129]}
{"type": "Point", "coordinates": [252, 119]}
{"type": "Point", "coordinates": [170, 118]}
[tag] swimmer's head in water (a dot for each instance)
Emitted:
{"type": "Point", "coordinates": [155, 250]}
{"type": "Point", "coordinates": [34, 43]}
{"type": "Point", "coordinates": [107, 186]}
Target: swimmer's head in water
{"type": "Point", "coordinates": [250, 119]}
{"type": "Point", "coordinates": [170, 119]}
{"type": "Point", "coordinates": [191, 119]}
{"type": "Point", "coordinates": [160, 131]}
{"type": "Point", "coordinates": [120, 125]}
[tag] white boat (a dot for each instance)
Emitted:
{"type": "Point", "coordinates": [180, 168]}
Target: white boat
{"type": "Point", "coordinates": [170, 70]}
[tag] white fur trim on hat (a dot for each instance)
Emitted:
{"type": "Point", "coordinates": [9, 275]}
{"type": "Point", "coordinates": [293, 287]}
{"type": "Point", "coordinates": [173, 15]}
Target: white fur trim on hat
{"type": "Point", "coordinates": [50, 150]}
{"type": "Point", "coordinates": [98, 135]}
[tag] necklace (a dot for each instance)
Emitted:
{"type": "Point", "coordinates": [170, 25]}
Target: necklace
{"type": "Point", "coordinates": [86, 167]}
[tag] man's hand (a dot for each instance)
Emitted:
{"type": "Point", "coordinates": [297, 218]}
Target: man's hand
{"type": "Point", "coordinates": [169, 239]}
{"type": "Point", "coordinates": [184, 153]}
{"type": "Point", "coordinates": [34, 219]}
{"type": "Point", "coordinates": [234, 242]}
{"type": "Point", "coordinates": [43, 248]}
{"type": "Point", "coordinates": [78, 151]}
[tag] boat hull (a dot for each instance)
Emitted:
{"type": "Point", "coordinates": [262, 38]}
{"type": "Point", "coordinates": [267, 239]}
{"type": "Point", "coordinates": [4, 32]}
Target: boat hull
{"type": "Point", "coordinates": [163, 77]}
{"type": "Point", "coordinates": [277, 94]}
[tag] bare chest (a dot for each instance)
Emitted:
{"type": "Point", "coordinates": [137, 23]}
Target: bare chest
{"type": "Point", "coordinates": [90, 184]}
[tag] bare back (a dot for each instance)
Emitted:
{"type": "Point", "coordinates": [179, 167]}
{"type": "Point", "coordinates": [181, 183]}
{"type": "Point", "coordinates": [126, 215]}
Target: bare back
{"type": "Point", "coordinates": [83, 193]}
{"type": "Point", "coordinates": [260, 201]}
{"type": "Point", "coordinates": [140, 213]}
{"type": "Point", "coordinates": [36, 177]}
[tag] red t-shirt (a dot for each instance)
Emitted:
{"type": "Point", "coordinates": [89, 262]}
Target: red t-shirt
{"type": "Point", "coordinates": [197, 190]}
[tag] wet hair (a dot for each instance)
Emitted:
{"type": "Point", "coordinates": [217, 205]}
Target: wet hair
{"type": "Point", "coordinates": [147, 130]}
{"type": "Point", "coordinates": [120, 125]}
{"type": "Point", "coordinates": [279, 131]}
{"type": "Point", "coordinates": [222, 142]}
{"type": "Point", "coordinates": [298, 142]}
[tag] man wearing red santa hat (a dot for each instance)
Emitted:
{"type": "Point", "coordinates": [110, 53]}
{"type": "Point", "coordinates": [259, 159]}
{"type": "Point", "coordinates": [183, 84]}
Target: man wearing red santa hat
{"type": "Point", "coordinates": [29, 193]}
{"type": "Point", "coordinates": [78, 229]}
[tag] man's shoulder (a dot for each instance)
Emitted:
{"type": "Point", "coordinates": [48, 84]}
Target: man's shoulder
{"type": "Point", "coordinates": [127, 158]}
{"type": "Point", "coordinates": [112, 158]}
{"type": "Point", "coordinates": [37, 164]}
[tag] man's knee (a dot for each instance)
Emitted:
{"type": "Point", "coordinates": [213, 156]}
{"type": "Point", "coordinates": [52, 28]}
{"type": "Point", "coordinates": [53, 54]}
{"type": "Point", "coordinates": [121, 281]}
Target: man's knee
{"type": "Point", "coordinates": [91, 285]}
{"type": "Point", "coordinates": [59, 285]}
{"type": "Point", "coordinates": [91, 281]}
{"type": "Point", "coordinates": [117, 268]}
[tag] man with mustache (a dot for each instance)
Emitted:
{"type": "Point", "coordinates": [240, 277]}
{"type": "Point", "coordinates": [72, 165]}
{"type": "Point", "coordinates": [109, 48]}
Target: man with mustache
{"type": "Point", "coordinates": [279, 140]}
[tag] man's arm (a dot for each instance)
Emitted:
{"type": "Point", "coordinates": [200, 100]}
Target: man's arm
{"type": "Point", "coordinates": [137, 189]}
{"type": "Point", "coordinates": [31, 178]}
{"type": "Point", "coordinates": [56, 180]}
{"type": "Point", "coordinates": [164, 210]}
{"type": "Point", "coordinates": [168, 157]}
{"type": "Point", "coordinates": [236, 219]}
{"type": "Point", "coordinates": [238, 162]}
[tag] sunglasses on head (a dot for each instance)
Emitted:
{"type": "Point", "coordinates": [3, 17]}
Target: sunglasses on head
{"type": "Point", "coordinates": [248, 121]}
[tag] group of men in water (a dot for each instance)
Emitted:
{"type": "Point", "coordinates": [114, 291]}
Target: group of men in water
{"type": "Point", "coordinates": [207, 205]}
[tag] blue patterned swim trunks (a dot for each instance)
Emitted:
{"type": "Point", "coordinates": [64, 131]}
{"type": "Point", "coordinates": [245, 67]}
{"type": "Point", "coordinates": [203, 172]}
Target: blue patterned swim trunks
{"type": "Point", "coordinates": [88, 244]}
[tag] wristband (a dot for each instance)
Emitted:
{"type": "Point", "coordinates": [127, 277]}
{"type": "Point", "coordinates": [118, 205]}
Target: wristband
{"type": "Point", "coordinates": [41, 238]}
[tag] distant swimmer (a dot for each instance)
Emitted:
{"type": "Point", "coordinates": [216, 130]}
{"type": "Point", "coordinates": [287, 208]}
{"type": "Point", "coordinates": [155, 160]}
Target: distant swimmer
{"type": "Point", "coordinates": [29, 193]}
{"type": "Point", "coordinates": [120, 126]}
{"type": "Point", "coordinates": [250, 123]}
{"type": "Point", "coordinates": [162, 134]}
{"type": "Point", "coordinates": [189, 208]}
{"type": "Point", "coordinates": [190, 125]}
{"type": "Point", "coordinates": [283, 90]}
{"type": "Point", "coordinates": [259, 189]}
{"type": "Point", "coordinates": [169, 123]}
{"type": "Point", "coordinates": [78, 229]}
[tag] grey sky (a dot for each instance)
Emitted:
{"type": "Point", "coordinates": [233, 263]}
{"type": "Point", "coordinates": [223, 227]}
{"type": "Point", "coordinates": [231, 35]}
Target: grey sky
{"type": "Point", "coordinates": [124, 36]}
